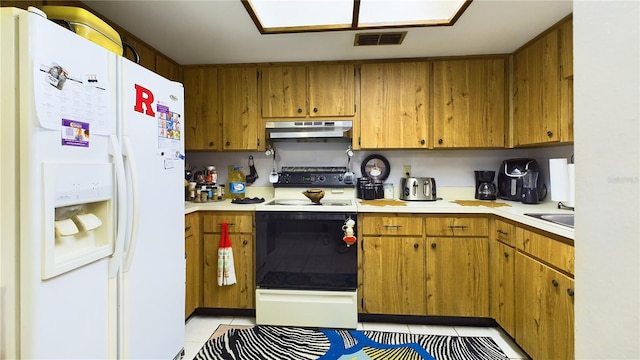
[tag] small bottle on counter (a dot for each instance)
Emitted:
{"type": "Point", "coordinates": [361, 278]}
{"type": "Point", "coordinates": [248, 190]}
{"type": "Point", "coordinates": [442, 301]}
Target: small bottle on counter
{"type": "Point", "coordinates": [237, 183]}
{"type": "Point", "coordinates": [221, 192]}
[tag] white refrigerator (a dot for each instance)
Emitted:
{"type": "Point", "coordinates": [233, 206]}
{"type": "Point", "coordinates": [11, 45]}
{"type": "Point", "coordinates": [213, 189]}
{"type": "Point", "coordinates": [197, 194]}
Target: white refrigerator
{"type": "Point", "coordinates": [92, 202]}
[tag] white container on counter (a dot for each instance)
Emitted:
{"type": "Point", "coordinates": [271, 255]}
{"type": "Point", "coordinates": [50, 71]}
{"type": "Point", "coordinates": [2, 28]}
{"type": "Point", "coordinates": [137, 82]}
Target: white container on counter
{"type": "Point", "coordinates": [388, 190]}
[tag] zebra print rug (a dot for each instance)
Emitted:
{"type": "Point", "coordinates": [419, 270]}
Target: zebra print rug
{"type": "Point", "coordinates": [295, 343]}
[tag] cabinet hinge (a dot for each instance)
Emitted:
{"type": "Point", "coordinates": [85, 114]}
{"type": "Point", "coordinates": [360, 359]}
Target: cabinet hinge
{"type": "Point", "coordinates": [354, 108]}
{"type": "Point", "coordinates": [359, 141]}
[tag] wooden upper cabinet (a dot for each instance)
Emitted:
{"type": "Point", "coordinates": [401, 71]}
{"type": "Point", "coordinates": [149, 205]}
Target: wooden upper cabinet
{"type": "Point", "coordinates": [146, 53]}
{"type": "Point", "coordinates": [239, 108]}
{"type": "Point", "coordinates": [202, 122]}
{"type": "Point", "coordinates": [301, 91]}
{"type": "Point", "coordinates": [394, 101]}
{"type": "Point", "coordinates": [536, 92]}
{"type": "Point", "coordinates": [284, 91]}
{"type": "Point", "coordinates": [167, 69]}
{"type": "Point", "coordinates": [469, 103]}
{"type": "Point", "coordinates": [331, 90]}
{"type": "Point", "coordinates": [566, 48]}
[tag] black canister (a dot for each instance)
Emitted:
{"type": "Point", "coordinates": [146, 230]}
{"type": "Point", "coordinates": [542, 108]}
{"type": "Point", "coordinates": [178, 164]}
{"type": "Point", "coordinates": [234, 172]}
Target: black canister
{"type": "Point", "coordinates": [369, 191]}
{"type": "Point", "coordinates": [378, 189]}
{"type": "Point", "coordinates": [360, 186]}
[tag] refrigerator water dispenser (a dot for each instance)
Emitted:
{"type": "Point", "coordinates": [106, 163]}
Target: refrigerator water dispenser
{"type": "Point", "coordinates": [79, 215]}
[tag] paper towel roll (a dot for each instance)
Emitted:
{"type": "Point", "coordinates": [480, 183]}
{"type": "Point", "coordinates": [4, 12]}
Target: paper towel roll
{"type": "Point", "coordinates": [559, 177]}
{"type": "Point", "coordinates": [571, 184]}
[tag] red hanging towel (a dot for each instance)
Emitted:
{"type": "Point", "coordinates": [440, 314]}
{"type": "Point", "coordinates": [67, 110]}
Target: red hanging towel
{"type": "Point", "coordinates": [226, 270]}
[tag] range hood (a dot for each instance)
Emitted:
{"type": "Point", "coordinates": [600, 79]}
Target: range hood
{"type": "Point", "coordinates": [309, 129]}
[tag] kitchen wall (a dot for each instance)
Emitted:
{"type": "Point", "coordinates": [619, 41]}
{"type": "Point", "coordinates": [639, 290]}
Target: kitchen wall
{"type": "Point", "coordinates": [450, 168]}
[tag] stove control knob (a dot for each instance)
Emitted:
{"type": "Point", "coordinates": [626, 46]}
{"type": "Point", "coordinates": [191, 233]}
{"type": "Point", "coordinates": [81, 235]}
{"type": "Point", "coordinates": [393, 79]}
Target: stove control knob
{"type": "Point", "coordinates": [339, 177]}
{"type": "Point", "coordinates": [321, 178]}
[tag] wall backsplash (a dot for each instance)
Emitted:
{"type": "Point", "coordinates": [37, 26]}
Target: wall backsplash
{"type": "Point", "coordinates": [450, 168]}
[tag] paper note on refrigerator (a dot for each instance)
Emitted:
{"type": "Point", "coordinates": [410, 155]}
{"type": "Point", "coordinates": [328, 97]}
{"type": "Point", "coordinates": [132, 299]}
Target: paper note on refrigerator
{"type": "Point", "coordinates": [73, 90]}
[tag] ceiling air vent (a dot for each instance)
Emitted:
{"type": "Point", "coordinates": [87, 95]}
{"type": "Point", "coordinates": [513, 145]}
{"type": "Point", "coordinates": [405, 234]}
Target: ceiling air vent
{"type": "Point", "coordinates": [386, 38]}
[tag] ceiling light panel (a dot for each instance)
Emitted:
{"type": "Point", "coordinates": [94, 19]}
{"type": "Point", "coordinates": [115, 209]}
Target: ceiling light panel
{"type": "Point", "coordinates": [303, 13]}
{"type": "Point", "coordinates": [407, 12]}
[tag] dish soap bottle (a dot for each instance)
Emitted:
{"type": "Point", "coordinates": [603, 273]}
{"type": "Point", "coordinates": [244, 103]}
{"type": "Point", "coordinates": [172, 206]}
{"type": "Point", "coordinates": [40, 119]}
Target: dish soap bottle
{"type": "Point", "coordinates": [237, 183]}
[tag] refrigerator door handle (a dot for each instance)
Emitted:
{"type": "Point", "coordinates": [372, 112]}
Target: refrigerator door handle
{"type": "Point", "coordinates": [130, 241]}
{"type": "Point", "coordinates": [116, 154]}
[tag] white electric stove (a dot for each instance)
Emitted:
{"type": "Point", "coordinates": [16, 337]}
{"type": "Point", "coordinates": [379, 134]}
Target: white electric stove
{"type": "Point", "coordinates": [306, 274]}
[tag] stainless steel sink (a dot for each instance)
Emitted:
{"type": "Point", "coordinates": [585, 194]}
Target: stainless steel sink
{"type": "Point", "coordinates": [561, 219]}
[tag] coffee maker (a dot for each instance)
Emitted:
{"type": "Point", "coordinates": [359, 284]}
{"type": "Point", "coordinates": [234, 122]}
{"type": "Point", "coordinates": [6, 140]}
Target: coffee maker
{"type": "Point", "coordinates": [485, 188]}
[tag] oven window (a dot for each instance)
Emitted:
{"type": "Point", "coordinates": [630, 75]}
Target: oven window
{"type": "Point", "coordinates": [304, 250]}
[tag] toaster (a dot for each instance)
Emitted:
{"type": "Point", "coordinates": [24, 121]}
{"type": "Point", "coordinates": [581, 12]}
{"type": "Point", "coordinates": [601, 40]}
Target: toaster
{"type": "Point", "coordinates": [418, 188]}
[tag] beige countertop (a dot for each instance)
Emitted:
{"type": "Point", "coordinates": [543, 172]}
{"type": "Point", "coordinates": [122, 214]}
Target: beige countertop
{"type": "Point", "coordinates": [454, 201]}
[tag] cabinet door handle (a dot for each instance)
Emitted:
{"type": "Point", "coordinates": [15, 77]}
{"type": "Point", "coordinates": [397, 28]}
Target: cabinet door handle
{"type": "Point", "coordinates": [211, 143]}
{"type": "Point", "coordinates": [315, 109]}
{"type": "Point", "coordinates": [422, 142]}
{"type": "Point", "coordinates": [230, 224]}
{"type": "Point", "coordinates": [503, 232]}
{"type": "Point", "coordinates": [187, 228]}
{"type": "Point", "coordinates": [440, 141]}
{"type": "Point", "coordinates": [434, 245]}
{"type": "Point", "coordinates": [457, 227]}
{"type": "Point", "coordinates": [227, 143]}
{"type": "Point", "coordinates": [570, 292]}
{"type": "Point", "coordinates": [244, 242]}
{"type": "Point", "coordinates": [554, 283]}
{"type": "Point", "coordinates": [549, 133]}
{"type": "Point", "coordinates": [506, 254]}
{"type": "Point", "coordinates": [299, 110]}
{"type": "Point", "coordinates": [392, 226]}
{"type": "Point", "coordinates": [415, 246]}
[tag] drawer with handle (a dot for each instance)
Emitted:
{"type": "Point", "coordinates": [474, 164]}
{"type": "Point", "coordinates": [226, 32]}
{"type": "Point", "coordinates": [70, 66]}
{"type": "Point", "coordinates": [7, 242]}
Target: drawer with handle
{"type": "Point", "coordinates": [457, 226]}
{"type": "Point", "coordinates": [392, 224]}
{"type": "Point", "coordinates": [505, 232]}
{"type": "Point", "coordinates": [237, 222]}
{"type": "Point", "coordinates": [190, 224]}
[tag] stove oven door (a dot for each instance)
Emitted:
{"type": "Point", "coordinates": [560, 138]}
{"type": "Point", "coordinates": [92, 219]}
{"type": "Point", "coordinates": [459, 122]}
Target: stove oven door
{"type": "Point", "coordinates": [304, 251]}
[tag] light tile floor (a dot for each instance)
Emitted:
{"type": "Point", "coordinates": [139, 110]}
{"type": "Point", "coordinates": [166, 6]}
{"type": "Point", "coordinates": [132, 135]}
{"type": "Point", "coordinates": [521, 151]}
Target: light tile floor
{"type": "Point", "coordinates": [200, 328]}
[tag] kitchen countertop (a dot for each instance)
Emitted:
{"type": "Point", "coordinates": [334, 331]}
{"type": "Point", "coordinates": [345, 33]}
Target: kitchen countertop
{"type": "Point", "coordinates": [454, 201]}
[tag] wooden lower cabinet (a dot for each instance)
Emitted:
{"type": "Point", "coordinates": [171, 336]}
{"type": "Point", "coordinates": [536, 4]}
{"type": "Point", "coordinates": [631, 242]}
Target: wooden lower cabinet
{"type": "Point", "coordinates": [193, 257]}
{"type": "Point", "coordinates": [392, 269]}
{"type": "Point", "coordinates": [544, 310]}
{"type": "Point", "coordinates": [457, 258]}
{"type": "Point", "coordinates": [457, 276]}
{"type": "Point", "coordinates": [394, 273]}
{"type": "Point", "coordinates": [502, 270]}
{"type": "Point", "coordinates": [241, 233]}
{"type": "Point", "coordinates": [502, 306]}
{"type": "Point", "coordinates": [406, 271]}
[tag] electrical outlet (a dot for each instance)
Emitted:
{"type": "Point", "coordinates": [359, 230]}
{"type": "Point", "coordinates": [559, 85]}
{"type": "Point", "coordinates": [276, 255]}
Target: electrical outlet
{"type": "Point", "coordinates": [406, 170]}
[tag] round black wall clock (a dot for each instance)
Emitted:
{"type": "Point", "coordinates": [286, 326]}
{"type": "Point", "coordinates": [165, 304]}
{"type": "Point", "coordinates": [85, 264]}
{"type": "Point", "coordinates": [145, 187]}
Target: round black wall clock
{"type": "Point", "coordinates": [375, 167]}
